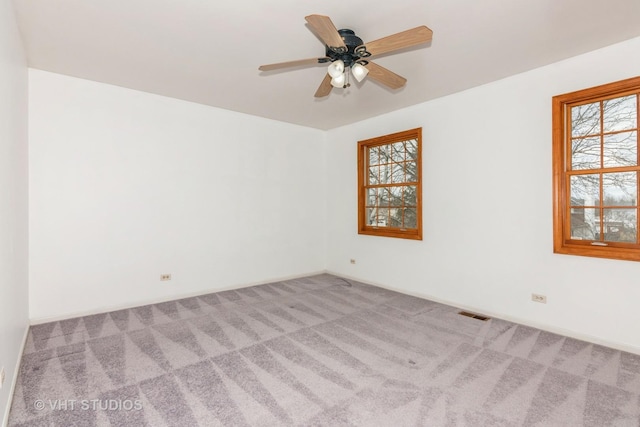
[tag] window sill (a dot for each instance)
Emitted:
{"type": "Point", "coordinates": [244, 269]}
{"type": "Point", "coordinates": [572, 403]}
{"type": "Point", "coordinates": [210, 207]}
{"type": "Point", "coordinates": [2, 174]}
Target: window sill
{"type": "Point", "coordinates": [385, 232]}
{"type": "Point", "coordinates": [608, 252]}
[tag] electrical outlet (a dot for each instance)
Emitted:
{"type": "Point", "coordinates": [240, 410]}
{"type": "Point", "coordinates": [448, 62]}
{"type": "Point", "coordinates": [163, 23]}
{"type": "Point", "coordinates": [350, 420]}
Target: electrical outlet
{"type": "Point", "coordinates": [539, 298]}
{"type": "Point", "coordinates": [1, 376]}
{"type": "Point", "coordinates": [353, 261]}
{"type": "Point", "coordinates": [164, 277]}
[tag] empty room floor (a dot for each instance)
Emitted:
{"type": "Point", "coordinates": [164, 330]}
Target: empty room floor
{"type": "Point", "coordinates": [316, 351]}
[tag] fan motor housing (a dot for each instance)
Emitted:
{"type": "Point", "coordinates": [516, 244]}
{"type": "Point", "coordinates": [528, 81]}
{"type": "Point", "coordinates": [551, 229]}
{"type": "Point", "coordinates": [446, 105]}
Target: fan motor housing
{"type": "Point", "coordinates": [352, 42]}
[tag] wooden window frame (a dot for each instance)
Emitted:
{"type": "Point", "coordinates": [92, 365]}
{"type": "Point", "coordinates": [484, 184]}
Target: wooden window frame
{"type": "Point", "coordinates": [562, 243]}
{"type": "Point", "coordinates": [363, 167]}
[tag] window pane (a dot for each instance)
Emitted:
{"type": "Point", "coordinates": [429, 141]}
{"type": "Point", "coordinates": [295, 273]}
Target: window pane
{"type": "Point", "coordinates": [372, 197]}
{"type": "Point", "coordinates": [385, 174]}
{"type": "Point", "coordinates": [620, 113]}
{"type": "Point", "coordinates": [373, 156]}
{"type": "Point", "coordinates": [620, 189]}
{"type": "Point", "coordinates": [396, 197]}
{"type": "Point", "coordinates": [411, 169]}
{"type": "Point", "coordinates": [412, 149]}
{"type": "Point", "coordinates": [397, 152]}
{"type": "Point", "coordinates": [585, 119]}
{"type": "Point", "coordinates": [585, 190]}
{"type": "Point", "coordinates": [384, 196]}
{"type": "Point", "coordinates": [621, 149]}
{"type": "Point", "coordinates": [373, 175]}
{"type": "Point", "coordinates": [410, 218]}
{"type": "Point", "coordinates": [410, 198]}
{"type": "Point", "coordinates": [395, 217]}
{"type": "Point", "coordinates": [383, 217]}
{"type": "Point", "coordinates": [620, 225]}
{"type": "Point", "coordinates": [385, 154]}
{"type": "Point", "coordinates": [371, 216]}
{"type": "Point", "coordinates": [583, 222]}
{"type": "Point", "coordinates": [585, 153]}
{"type": "Point", "coordinates": [397, 173]}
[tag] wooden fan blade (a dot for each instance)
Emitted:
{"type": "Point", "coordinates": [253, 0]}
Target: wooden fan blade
{"type": "Point", "coordinates": [399, 41]}
{"type": "Point", "coordinates": [384, 76]}
{"type": "Point", "coordinates": [325, 87]}
{"type": "Point", "coordinates": [325, 29]}
{"type": "Point", "coordinates": [310, 61]}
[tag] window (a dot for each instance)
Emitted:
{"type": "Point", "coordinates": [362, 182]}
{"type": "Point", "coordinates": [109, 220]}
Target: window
{"type": "Point", "coordinates": [390, 185]}
{"type": "Point", "coordinates": [596, 171]}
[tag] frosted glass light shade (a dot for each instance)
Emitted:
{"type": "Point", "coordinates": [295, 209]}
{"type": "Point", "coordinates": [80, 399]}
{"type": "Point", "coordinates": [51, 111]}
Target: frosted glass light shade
{"type": "Point", "coordinates": [359, 71]}
{"type": "Point", "coordinates": [338, 81]}
{"type": "Point", "coordinates": [336, 68]}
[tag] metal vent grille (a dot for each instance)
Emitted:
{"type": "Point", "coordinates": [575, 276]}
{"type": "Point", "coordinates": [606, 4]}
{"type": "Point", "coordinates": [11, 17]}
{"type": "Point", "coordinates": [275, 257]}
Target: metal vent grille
{"type": "Point", "coordinates": [474, 316]}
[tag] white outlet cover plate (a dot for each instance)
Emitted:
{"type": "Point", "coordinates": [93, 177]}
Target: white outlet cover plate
{"type": "Point", "coordinates": [539, 298]}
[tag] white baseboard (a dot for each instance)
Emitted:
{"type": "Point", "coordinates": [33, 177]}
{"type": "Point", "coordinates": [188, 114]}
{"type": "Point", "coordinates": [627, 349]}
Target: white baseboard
{"type": "Point", "coordinates": [14, 382]}
{"type": "Point", "coordinates": [545, 327]}
{"type": "Point", "coordinates": [40, 320]}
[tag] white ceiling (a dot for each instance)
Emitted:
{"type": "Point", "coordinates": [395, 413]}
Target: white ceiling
{"type": "Point", "coordinates": [209, 51]}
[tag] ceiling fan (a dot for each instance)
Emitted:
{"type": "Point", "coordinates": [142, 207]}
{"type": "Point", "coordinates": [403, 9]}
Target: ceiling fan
{"type": "Point", "coordinates": [345, 51]}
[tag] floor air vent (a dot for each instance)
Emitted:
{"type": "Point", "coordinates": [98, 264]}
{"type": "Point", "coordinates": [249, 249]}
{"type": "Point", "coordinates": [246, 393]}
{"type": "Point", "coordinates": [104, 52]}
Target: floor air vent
{"type": "Point", "coordinates": [474, 316]}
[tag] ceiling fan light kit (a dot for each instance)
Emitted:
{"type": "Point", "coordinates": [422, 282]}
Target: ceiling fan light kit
{"type": "Point", "coordinates": [336, 68]}
{"type": "Point", "coordinates": [339, 81]}
{"type": "Point", "coordinates": [347, 57]}
{"type": "Point", "coordinates": [346, 52]}
{"type": "Point", "coordinates": [359, 71]}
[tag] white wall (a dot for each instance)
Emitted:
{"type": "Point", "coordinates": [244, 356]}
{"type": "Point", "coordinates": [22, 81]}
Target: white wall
{"type": "Point", "coordinates": [125, 185]}
{"type": "Point", "coordinates": [488, 208]}
{"type": "Point", "coordinates": [13, 199]}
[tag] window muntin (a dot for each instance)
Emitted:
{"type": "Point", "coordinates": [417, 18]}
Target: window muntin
{"type": "Point", "coordinates": [389, 181]}
{"type": "Point", "coordinates": [596, 171]}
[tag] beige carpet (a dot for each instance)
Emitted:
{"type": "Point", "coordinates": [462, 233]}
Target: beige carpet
{"type": "Point", "coordinates": [318, 351]}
